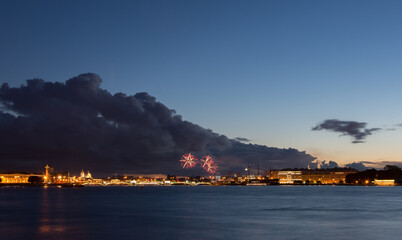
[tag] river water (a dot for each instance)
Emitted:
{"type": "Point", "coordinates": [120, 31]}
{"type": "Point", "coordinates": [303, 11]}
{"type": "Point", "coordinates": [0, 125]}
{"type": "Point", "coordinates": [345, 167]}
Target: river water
{"type": "Point", "coordinates": [203, 212]}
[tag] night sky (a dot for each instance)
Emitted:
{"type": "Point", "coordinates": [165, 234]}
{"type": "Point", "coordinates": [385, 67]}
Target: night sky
{"type": "Point", "coordinates": [316, 76]}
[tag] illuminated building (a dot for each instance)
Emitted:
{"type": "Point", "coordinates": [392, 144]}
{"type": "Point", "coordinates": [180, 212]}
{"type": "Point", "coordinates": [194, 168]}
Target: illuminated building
{"type": "Point", "coordinates": [11, 178]}
{"type": "Point", "coordinates": [60, 178]}
{"type": "Point", "coordinates": [384, 182]}
{"type": "Point", "coordinates": [47, 177]}
{"type": "Point", "coordinates": [310, 176]}
{"type": "Point", "coordinates": [289, 177]}
{"type": "Point", "coordinates": [82, 175]}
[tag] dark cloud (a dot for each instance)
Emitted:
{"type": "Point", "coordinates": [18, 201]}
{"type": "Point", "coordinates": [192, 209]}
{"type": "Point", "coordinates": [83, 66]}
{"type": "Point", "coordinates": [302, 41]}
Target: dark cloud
{"type": "Point", "coordinates": [392, 163]}
{"type": "Point", "coordinates": [76, 124]}
{"type": "Point", "coordinates": [239, 155]}
{"type": "Point", "coordinates": [357, 165]}
{"type": "Point", "coordinates": [241, 139]}
{"type": "Point", "coordinates": [390, 129]}
{"type": "Point", "coordinates": [381, 164]}
{"type": "Point", "coordinates": [356, 130]}
{"type": "Point", "coordinates": [330, 164]}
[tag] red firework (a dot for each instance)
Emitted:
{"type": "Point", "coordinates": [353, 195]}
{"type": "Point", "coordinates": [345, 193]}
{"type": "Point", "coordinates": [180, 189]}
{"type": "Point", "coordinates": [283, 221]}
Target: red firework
{"type": "Point", "coordinates": [211, 168]}
{"type": "Point", "coordinates": [188, 161]}
{"type": "Point", "coordinates": [206, 160]}
{"type": "Point", "coordinates": [208, 164]}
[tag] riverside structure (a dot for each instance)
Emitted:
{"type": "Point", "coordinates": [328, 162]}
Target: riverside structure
{"type": "Point", "coordinates": [332, 176]}
{"type": "Point", "coordinates": [311, 176]}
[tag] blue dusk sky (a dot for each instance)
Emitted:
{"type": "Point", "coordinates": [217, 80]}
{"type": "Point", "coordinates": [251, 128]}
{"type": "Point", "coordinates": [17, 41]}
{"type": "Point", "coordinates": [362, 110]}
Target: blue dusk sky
{"type": "Point", "coordinates": [268, 71]}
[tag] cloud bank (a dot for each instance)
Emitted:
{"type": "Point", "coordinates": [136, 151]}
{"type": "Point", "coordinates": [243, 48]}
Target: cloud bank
{"type": "Point", "coordinates": [242, 139]}
{"type": "Point", "coordinates": [357, 165]}
{"type": "Point", "coordinates": [77, 124]}
{"type": "Point", "coordinates": [356, 130]}
{"type": "Point", "coordinates": [331, 164]}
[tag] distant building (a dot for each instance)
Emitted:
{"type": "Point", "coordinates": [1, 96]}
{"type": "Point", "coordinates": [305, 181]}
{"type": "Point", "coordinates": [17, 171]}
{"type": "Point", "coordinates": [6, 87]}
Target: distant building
{"type": "Point", "coordinates": [11, 178]}
{"type": "Point", "coordinates": [318, 176]}
{"type": "Point", "coordinates": [60, 177]}
{"type": "Point", "coordinates": [86, 176]}
{"type": "Point", "coordinates": [288, 177]}
{"type": "Point", "coordinates": [49, 176]}
{"type": "Point", "coordinates": [82, 175]}
{"type": "Point", "coordinates": [384, 182]}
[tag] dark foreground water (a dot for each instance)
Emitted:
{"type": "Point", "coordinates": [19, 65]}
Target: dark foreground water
{"type": "Point", "coordinates": [272, 212]}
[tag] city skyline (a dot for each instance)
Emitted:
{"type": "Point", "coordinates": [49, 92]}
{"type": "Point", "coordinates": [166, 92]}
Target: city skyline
{"type": "Point", "coordinates": [320, 77]}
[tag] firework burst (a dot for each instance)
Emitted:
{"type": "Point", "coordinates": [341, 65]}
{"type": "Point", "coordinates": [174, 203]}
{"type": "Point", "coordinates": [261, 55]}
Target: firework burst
{"type": "Point", "coordinates": [188, 161]}
{"type": "Point", "coordinates": [208, 164]}
{"type": "Point", "coordinates": [206, 160]}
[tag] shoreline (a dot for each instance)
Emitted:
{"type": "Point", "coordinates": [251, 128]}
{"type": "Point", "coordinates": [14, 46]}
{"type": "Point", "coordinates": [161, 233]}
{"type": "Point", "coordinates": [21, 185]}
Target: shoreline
{"type": "Point", "coordinates": [23, 185]}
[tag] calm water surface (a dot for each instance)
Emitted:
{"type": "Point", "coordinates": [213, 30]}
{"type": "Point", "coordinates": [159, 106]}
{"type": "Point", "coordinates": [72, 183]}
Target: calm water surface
{"type": "Point", "coordinates": [272, 212]}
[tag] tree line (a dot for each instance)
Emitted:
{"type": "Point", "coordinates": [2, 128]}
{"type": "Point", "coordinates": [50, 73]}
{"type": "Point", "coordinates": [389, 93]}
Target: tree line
{"type": "Point", "coordinates": [367, 176]}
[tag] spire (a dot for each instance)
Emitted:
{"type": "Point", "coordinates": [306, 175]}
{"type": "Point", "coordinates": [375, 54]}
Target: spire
{"type": "Point", "coordinates": [47, 167]}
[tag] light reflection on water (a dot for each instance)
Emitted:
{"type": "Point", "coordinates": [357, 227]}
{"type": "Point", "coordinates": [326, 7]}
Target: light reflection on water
{"type": "Point", "coordinates": [51, 225]}
{"type": "Point", "coordinates": [273, 212]}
